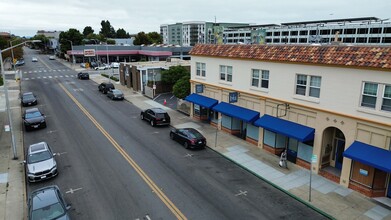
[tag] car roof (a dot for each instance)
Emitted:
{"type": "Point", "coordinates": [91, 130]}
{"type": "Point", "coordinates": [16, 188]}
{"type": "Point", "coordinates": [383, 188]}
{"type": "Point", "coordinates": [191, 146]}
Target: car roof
{"type": "Point", "coordinates": [38, 147]}
{"type": "Point", "coordinates": [44, 197]}
{"type": "Point", "coordinates": [32, 110]}
{"type": "Point", "coordinates": [158, 110]}
{"type": "Point", "coordinates": [192, 130]}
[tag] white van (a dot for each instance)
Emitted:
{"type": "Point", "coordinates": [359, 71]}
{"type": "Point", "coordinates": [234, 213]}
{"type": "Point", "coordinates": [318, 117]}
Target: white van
{"type": "Point", "coordinates": [114, 65]}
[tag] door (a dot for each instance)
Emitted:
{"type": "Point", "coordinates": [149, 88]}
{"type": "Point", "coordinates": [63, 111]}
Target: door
{"type": "Point", "coordinates": [339, 146]}
{"type": "Point", "coordinates": [389, 187]}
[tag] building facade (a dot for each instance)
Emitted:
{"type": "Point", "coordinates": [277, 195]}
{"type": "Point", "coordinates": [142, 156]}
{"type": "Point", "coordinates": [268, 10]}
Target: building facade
{"type": "Point", "coordinates": [331, 103]}
{"type": "Point", "coordinates": [193, 32]}
{"type": "Point", "coordinates": [359, 31]}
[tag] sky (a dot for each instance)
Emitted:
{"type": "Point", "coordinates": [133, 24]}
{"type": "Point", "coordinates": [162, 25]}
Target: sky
{"type": "Point", "coordinates": [26, 17]}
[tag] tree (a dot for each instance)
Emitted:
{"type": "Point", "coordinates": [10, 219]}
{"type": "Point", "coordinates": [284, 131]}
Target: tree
{"type": "Point", "coordinates": [173, 74]}
{"type": "Point", "coordinates": [72, 35]}
{"type": "Point", "coordinates": [87, 31]}
{"type": "Point", "coordinates": [44, 41]}
{"type": "Point", "coordinates": [181, 89]}
{"type": "Point", "coordinates": [107, 30]}
{"type": "Point", "coordinates": [121, 33]}
{"type": "Point", "coordinates": [155, 37]}
{"type": "Point", "coordinates": [141, 38]}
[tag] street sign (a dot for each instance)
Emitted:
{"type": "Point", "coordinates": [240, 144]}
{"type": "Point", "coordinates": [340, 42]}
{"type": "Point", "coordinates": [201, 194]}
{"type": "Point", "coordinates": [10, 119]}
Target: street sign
{"type": "Point", "coordinates": [314, 158]}
{"type": "Point", "coordinates": [154, 87]}
{"type": "Point", "coordinates": [233, 97]}
{"type": "Point", "coordinates": [199, 88]}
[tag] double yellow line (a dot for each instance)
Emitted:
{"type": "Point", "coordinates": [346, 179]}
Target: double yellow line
{"type": "Point", "coordinates": [143, 175]}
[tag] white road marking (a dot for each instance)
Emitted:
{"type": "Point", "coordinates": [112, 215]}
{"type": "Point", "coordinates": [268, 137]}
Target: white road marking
{"type": "Point", "coordinates": [26, 78]}
{"type": "Point", "coordinates": [44, 77]}
{"type": "Point", "coordinates": [189, 155]}
{"type": "Point", "coordinates": [241, 193]}
{"type": "Point", "coordinates": [59, 154]}
{"type": "Point", "coordinates": [50, 77]}
{"type": "Point", "coordinates": [71, 191]}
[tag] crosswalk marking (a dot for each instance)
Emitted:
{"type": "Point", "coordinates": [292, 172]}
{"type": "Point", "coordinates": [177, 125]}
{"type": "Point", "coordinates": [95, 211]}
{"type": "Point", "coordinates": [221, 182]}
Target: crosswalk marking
{"type": "Point", "coordinates": [50, 77]}
{"type": "Point", "coordinates": [44, 77]}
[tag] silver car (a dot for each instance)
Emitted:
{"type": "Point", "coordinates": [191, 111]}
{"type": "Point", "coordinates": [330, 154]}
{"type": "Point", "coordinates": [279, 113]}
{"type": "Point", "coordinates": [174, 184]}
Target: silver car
{"type": "Point", "coordinates": [40, 162]}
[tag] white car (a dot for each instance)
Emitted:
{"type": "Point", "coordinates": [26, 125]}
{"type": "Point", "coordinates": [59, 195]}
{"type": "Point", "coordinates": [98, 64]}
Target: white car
{"type": "Point", "coordinates": [34, 59]}
{"type": "Point", "coordinates": [114, 65]}
{"type": "Point", "coordinates": [101, 67]}
{"type": "Point", "coordinates": [52, 58]}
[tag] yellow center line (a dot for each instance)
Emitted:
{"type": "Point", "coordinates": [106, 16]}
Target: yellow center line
{"type": "Point", "coordinates": [143, 175]}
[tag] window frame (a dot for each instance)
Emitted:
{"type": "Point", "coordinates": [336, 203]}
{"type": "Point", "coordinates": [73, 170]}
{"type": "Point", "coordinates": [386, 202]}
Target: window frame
{"type": "Point", "coordinates": [387, 99]}
{"type": "Point", "coordinates": [225, 74]}
{"type": "Point", "coordinates": [308, 87]}
{"type": "Point", "coordinates": [363, 95]}
{"type": "Point", "coordinates": [262, 78]}
{"type": "Point", "coordinates": [200, 69]}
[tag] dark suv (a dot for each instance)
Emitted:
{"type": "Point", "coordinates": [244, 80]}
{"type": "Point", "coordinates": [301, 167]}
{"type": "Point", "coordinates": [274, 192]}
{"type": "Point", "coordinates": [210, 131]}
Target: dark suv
{"type": "Point", "coordinates": [33, 119]}
{"type": "Point", "coordinates": [83, 75]}
{"type": "Point", "coordinates": [155, 116]}
{"type": "Point", "coordinates": [104, 87]}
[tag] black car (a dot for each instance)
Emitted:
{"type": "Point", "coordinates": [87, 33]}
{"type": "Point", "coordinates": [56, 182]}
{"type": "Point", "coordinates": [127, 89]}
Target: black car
{"type": "Point", "coordinates": [28, 99]}
{"type": "Point", "coordinates": [189, 137]}
{"type": "Point", "coordinates": [115, 94]}
{"type": "Point", "coordinates": [83, 75]}
{"type": "Point", "coordinates": [47, 203]}
{"type": "Point", "coordinates": [105, 87]}
{"type": "Point", "coordinates": [33, 119]}
{"type": "Point", "coordinates": [155, 116]}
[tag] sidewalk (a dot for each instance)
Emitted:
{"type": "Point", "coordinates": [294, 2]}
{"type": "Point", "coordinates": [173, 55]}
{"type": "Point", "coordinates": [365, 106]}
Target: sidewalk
{"type": "Point", "coordinates": [329, 198]}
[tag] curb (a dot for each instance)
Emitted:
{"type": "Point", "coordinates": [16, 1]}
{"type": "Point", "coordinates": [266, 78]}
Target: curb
{"type": "Point", "coordinates": [278, 187]}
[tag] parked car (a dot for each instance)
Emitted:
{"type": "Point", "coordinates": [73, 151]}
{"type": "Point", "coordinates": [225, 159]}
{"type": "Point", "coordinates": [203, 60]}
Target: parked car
{"type": "Point", "coordinates": [83, 75]}
{"type": "Point", "coordinates": [105, 87]}
{"type": "Point", "coordinates": [19, 62]}
{"type": "Point", "coordinates": [34, 59]}
{"type": "Point", "coordinates": [28, 99]}
{"type": "Point", "coordinates": [47, 203]}
{"type": "Point", "coordinates": [189, 137]}
{"type": "Point", "coordinates": [93, 65]}
{"type": "Point", "coordinates": [115, 94]}
{"type": "Point", "coordinates": [52, 57]}
{"type": "Point", "coordinates": [40, 162]}
{"type": "Point", "coordinates": [33, 119]}
{"type": "Point", "coordinates": [155, 116]}
{"type": "Point", "coordinates": [114, 65]}
{"type": "Point", "coordinates": [100, 68]}
{"type": "Point", "coordinates": [83, 65]}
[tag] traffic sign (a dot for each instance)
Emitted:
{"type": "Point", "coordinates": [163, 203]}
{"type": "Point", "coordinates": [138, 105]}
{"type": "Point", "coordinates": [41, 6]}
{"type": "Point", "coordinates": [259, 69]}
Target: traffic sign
{"type": "Point", "coordinates": [314, 158]}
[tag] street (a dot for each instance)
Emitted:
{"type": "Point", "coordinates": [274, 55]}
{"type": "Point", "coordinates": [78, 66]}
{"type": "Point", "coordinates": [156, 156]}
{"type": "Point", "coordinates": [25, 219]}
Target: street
{"type": "Point", "coordinates": [112, 165]}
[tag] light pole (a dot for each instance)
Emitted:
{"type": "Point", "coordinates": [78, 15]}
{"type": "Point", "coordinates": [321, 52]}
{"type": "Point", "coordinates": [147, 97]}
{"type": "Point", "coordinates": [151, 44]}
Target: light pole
{"type": "Point", "coordinates": [96, 50]}
{"type": "Point", "coordinates": [73, 56]}
{"type": "Point", "coordinates": [7, 99]}
{"type": "Point", "coordinates": [12, 54]}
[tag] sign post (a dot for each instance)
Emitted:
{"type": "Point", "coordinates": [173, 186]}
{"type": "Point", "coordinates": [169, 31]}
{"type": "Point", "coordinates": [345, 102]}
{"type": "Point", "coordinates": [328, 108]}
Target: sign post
{"type": "Point", "coordinates": [314, 159]}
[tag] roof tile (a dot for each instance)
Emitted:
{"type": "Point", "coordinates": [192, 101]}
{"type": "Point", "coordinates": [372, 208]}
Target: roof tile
{"type": "Point", "coordinates": [351, 56]}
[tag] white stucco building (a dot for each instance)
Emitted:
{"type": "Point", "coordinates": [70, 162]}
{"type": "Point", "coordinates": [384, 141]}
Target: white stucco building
{"type": "Point", "coordinates": [333, 102]}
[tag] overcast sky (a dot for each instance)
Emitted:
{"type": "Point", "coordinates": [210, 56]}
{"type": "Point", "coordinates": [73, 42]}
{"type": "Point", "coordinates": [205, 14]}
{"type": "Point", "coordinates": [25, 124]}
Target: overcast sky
{"type": "Point", "coordinates": [25, 17]}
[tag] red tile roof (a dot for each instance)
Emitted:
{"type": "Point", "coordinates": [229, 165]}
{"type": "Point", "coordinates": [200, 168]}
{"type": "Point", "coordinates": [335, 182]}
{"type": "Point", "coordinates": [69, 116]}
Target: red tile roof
{"type": "Point", "coordinates": [378, 57]}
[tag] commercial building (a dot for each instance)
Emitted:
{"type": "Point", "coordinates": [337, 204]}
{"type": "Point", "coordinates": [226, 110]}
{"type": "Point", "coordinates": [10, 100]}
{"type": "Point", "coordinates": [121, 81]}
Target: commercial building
{"type": "Point", "coordinates": [193, 32]}
{"type": "Point", "coordinates": [360, 31]}
{"type": "Point", "coordinates": [327, 107]}
{"type": "Point", "coordinates": [53, 40]}
{"type": "Point", "coordinates": [145, 77]}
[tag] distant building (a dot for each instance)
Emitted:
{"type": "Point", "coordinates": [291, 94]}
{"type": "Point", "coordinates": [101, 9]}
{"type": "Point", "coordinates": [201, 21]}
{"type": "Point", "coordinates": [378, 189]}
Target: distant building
{"type": "Point", "coordinates": [193, 32]}
{"type": "Point", "coordinates": [123, 41]}
{"type": "Point", "coordinates": [53, 36]}
{"type": "Point", "coordinates": [358, 31]}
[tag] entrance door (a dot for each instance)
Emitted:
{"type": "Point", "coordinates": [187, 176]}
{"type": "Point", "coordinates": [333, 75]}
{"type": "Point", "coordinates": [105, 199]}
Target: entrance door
{"type": "Point", "coordinates": [389, 188]}
{"type": "Point", "coordinates": [339, 146]}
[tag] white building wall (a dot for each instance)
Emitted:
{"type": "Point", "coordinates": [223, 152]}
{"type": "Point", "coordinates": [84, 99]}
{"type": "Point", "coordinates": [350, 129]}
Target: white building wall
{"type": "Point", "coordinates": [340, 87]}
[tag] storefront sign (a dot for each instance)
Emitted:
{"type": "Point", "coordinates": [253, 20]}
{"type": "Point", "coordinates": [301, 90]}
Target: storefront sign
{"type": "Point", "coordinates": [364, 172]}
{"type": "Point", "coordinates": [199, 88]}
{"type": "Point", "coordinates": [233, 97]}
{"type": "Point", "coordinates": [89, 52]}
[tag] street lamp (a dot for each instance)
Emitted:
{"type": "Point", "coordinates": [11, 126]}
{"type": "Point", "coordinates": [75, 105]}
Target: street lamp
{"type": "Point", "coordinates": [6, 95]}
{"type": "Point", "coordinates": [12, 54]}
{"type": "Point", "coordinates": [73, 56]}
{"type": "Point", "coordinates": [96, 50]}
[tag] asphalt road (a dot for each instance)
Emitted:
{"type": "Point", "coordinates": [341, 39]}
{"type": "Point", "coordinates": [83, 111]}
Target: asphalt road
{"type": "Point", "coordinates": [112, 165]}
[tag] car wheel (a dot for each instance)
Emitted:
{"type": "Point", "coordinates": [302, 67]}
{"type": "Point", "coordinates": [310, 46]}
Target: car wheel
{"type": "Point", "coordinates": [112, 97]}
{"type": "Point", "coordinates": [172, 136]}
{"type": "Point", "coordinates": [186, 145]}
{"type": "Point", "coordinates": [152, 123]}
{"type": "Point", "coordinates": [142, 116]}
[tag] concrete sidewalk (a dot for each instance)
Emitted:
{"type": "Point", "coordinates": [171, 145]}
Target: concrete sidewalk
{"type": "Point", "coordinates": [329, 198]}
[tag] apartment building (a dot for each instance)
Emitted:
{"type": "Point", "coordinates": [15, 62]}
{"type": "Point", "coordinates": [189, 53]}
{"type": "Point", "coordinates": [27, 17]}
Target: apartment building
{"type": "Point", "coordinates": [358, 31]}
{"type": "Point", "coordinates": [193, 32]}
{"type": "Point", "coordinates": [327, 107]}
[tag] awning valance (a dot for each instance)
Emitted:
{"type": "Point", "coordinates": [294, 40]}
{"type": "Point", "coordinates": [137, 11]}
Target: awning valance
{"type": "Point", "coordinates": [241, 113]}
{"type": "Point", "coordinates": [201, 100]}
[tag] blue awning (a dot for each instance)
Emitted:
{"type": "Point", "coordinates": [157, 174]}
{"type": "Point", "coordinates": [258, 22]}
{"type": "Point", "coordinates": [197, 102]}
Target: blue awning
{"type": "Point", "coordinates": [244, 114]}
{"type": "Point", "coordinates": [287, 128]}
{"type": "Point", "coordinates": [369, 155]}
{"type": "Point", "coordinates": [201, 100]}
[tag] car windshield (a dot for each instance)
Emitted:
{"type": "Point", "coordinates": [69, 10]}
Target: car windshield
{"type": "Point", "coordinates": [194, 134]}
{"type": "Point", "coordinates": [33, 115]}
{"type": "Point", "coordinates": [28, 96]}
{"type": "Point", "coordinates": [38, 157]}
{"type": "Point", "coordinates": [117, 92]}
{"type": "Point", "coordinates": [52, 211]}
{"type": "Point", "coordinates": [160, 115]}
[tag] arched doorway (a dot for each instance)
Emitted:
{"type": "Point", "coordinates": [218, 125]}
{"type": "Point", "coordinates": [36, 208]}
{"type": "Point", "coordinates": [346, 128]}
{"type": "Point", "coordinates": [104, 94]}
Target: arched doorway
{"type": "Point", "coordinates": [333, 146]}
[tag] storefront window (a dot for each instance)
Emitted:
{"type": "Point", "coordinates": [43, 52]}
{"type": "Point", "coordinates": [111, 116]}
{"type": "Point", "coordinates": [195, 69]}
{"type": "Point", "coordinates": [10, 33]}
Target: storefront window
{"type": "Point", "coordinates": [269, 138]}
